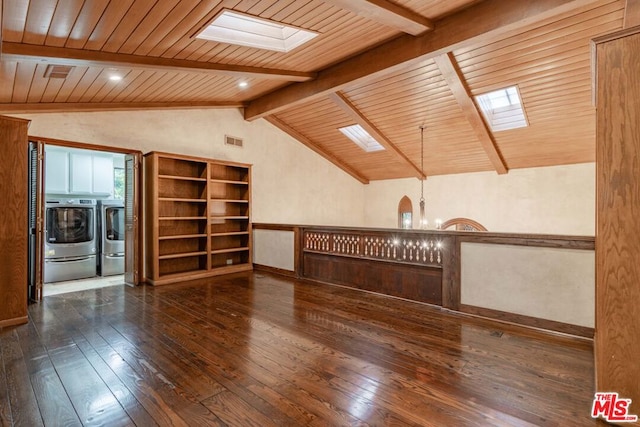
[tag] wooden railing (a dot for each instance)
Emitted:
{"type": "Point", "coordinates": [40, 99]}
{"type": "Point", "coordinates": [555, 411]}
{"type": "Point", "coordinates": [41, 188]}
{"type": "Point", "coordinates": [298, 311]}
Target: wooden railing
{"type": "Point", "coordinates": [426, 265]}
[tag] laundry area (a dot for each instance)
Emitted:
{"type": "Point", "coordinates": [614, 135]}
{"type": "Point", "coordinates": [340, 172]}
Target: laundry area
{"type": "Point", "coordinates": [84, 219]}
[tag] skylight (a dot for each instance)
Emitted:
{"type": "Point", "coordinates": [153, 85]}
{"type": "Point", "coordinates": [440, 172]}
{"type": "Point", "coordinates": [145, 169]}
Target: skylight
{"type": "Point", "coordinates": [502, 109]}
{"type": "Point", "coordinates": [245, 30]}
{"type": "Point", "coordinates": [361, 137]}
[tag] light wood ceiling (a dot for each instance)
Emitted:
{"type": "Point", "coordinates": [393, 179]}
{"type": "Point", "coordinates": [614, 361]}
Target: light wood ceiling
{"type": "Point", "coordinates": [389, 65]}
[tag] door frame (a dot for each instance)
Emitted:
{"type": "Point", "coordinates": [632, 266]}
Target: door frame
{"type": "Point", "coordinates": [137, 196]}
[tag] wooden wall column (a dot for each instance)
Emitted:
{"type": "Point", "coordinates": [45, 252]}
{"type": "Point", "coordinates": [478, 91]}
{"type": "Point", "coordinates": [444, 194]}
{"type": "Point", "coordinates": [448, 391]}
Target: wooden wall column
{"type": "Point", "coordinates": [13, 222]}
{"type": "Point", "coordinates": [617, 334]}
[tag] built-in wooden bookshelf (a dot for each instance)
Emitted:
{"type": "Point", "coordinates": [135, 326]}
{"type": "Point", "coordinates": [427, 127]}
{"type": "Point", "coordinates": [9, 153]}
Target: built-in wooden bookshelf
{"type": "Point", "coordinates": [198, 217]}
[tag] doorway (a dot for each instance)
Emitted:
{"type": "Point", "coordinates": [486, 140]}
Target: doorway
{"type": "Point", "coordinates": [83, 215]}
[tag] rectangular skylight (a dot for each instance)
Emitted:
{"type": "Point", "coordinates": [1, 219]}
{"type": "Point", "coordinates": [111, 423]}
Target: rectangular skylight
{"type": "Point", "coordinates": [361, 137]}
{"type": "Point", "coordinates": [245, 30]}
{"type": "Point", "coordinates": [502, 109]}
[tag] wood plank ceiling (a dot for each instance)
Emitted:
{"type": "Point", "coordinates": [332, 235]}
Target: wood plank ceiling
{"type": "Point", "coordinates": [388, 65]}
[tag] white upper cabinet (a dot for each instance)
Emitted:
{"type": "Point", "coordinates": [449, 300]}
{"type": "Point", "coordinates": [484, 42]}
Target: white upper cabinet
{"type": "Point", "coordinates": [78, 172]}
{"type": "Point", "coordinates": [81, 173]}
{"type": "Point", "coordinates": [57, 171]}
{"type": "Point", "coordinates": [102, 174]}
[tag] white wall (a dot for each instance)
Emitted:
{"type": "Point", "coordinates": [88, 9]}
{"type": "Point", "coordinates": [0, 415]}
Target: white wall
{"type": "Point", "coordinates": [291, 184]}
{"type": "Point", "coordinates": [548, 200]}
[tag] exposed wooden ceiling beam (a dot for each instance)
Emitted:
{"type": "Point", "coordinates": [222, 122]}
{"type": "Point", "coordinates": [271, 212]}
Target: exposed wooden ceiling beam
{"type": "Point", "coordinates": [79, 57]}
{"type": "Point", "coordinates": [454, 78]}
{"type": "Point", "coordinates": [485, 20]}
{"type": "Point", "coordinates": [116, 106]}
{"type": "Point", "coordinates": [632, 13]}
{"type": "Point", "coordinates": [343, 102]}
{"type": "Point", "coordinates": [387, 13]}
{"type": "Point", "coordinates": [315, 147]}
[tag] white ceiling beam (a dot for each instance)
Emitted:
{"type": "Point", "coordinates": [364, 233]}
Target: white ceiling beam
{"type": "Point", "coordinates": [387, 13]}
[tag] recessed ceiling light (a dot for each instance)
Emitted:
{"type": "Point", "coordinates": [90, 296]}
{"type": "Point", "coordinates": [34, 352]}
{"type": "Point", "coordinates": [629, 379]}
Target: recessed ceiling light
{"type": "Point", "coordinates": [243, 85]}
{"type": "Point", "coordinates": [246, 30]}
{"type": "Point", "coordinates": [115, 78]}
{"type": "Point", "coordinates": [503, 109]}
{"type": "Point", "coordinates": [361, 137]}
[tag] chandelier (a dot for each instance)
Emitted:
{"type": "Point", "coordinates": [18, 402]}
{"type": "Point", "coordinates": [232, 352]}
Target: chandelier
{"type": "Point", "coordinates": [424, 223]}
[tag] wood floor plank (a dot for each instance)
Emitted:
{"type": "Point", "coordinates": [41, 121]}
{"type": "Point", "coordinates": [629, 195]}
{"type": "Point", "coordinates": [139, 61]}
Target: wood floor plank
{"type": "Point", "coordinates": [260, 349]}
{"type": "Point", "coordinates": [22, 399]}
{"type": "Point", "coordinates": [53, 401]}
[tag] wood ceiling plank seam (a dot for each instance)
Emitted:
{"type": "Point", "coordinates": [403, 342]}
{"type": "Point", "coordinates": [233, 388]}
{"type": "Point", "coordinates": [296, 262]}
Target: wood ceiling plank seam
{"type": "Point", "coordinates": [458, 85]}
{"type": "Point", "coordinates": [127, 25]}
{"type": "Point", "coordinates": [22, 83]}
{"type": "Point", "coordinates": [107, 87]}
{"type": "Point", "coordinates": [70, 84]}
{"type": "Point", "coordinates": [236, 55]}
{"type": "Point", "coordinates": [572, 71]}
{"type": "Point", "coordinates": [8, 71]}
{"type": "Point", "coordinates": [156, 84]}
{"type": "Point", "coordinates": [64, 18]}
{"type": "Point", "coordinates": [310, 112]}
{"type": "Point", "coordinates": [132, 86]}
{"type": "Point", "coordinates": [539, 33]}
{"type": "Point", "coordinates": [131, 76]}
{"type": "Point", "coordinates": [87, 20]}
{"type": "Point", "coordinates": [142, 89]}
{"type": "Point", "coordinates": [531, 72]}
{"type": "Point", "coordinates": [316, 148]}
{"type": "Point", "coordinates": [109, 21]}
{"type": "Point", "coordinates": [166, 24]}
{"type": "Point", "coordinates": [294, 11]}
{"type": "Point", "coordinates": [423, 94]}
{"type": "Point", "coordinates": [203, 48]}
{"type": "Point", "coordinates": [147, 25]}
{"type": "Point", "coordinates": [14, 18]}
{"type": "Point", "coordinates": [207, 10]}
{"type": "Point", "coordinates": [275, 8]}
{"type": "Point", "coordinates": [258, 7]}
{"type": "Point", "coordinates": [188, 49]}
{"type": "Point", "coordinates": [533, 53]}
{"type": "Point", "coordinates": [96, 86]}
{"type": "Point", "coordinates": [314, 21]}
{"type": "Point", "coordinates": [224, 90]}
{"type": "Point", "coordinates": [89, 76]}
{"type": "Point", "coordinates": [412, 74]}
{"type": "Point", "coordinates": [188, 86]}
{"type": "Point", "coordinates": [343, 102]}
{"type": "Point", "coordinates": [158, 92]}
{"type": "Point", "coordinates": [51, 90]}
{"type": "Point", "coordinates": [539, 50]}
{"type": "Point", "coordinates": [181, 33]}
{"type": "Point", "coordinates": [38, 22]}
{"type": "Point", "coordinates": [429, 103]}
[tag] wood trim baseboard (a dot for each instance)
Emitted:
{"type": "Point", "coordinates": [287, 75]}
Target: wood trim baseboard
{"type": "Point", "coordinates": [275, 270]}
{"type": "Point", "coordinates": [13, 322]}
{"type": "Point", "coordinates": [528, 321]}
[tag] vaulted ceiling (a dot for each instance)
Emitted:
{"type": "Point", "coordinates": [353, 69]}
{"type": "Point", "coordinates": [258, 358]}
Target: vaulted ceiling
{"type": "Point", "coordinates": [391, 66]}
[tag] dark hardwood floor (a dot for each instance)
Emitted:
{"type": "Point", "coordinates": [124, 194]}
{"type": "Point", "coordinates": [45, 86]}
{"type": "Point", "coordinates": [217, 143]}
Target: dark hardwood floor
{"type": "Point", "coordinates": [259, 350]}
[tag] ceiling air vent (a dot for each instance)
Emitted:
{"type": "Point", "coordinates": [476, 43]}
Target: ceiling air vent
{"type": "Point", "coordinates": [57, 71]}
{"type": "Point", "coordinates": [231, 140]}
